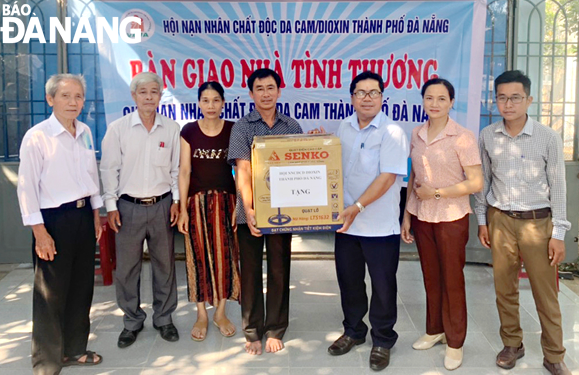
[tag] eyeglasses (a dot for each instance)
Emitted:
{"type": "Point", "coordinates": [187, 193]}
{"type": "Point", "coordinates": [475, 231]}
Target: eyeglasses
{"type": "Point", "coordinates": [362, 94]}
{"type": "Point", "coordinates": [515, 99]}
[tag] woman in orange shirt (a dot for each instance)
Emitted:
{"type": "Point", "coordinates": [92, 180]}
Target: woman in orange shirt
{"type": "Point", "coordinates": [446, 168]}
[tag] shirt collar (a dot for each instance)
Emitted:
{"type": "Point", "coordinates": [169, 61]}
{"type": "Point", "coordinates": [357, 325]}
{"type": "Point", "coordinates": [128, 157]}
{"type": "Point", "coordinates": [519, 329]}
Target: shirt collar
{"type": "Point", "coordinates": [56, 128]}
{"type": "Point", "coordinates": [136, 120]}
{"type": "Point", "coordinates": [527, 129]}
{"type": "Point", "coordinates": [376, 121]}
{"type": "Point", "coordinates": [450, 129]}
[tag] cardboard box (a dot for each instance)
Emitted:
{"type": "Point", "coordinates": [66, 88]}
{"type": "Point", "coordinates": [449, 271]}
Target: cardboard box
{"type": "Point", "coordinates": [297, 183]}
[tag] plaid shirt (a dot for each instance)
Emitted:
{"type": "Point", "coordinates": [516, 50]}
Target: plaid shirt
{"type": "Point", "coordinates": [523, 173]}
{"type": "Point", "coordinates": [241, 139]}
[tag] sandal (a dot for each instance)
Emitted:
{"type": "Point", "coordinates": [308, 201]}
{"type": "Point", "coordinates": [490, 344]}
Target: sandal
{"type": "Point", "coordinates": [222, 332]}
{"type": "Point", "coordinates": [89, 361]}
{"type": "Point", "coordinates": [203, 335]}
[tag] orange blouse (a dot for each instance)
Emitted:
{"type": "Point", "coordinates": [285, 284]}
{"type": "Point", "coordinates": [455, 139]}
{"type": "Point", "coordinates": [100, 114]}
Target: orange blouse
{"type": "Point", "coordinates": [440, 164]}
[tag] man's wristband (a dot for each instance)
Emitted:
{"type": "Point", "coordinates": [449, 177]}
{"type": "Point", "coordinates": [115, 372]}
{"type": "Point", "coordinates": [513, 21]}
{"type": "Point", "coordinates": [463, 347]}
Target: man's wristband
{"type": "Point", "coordinates": [360, 206]}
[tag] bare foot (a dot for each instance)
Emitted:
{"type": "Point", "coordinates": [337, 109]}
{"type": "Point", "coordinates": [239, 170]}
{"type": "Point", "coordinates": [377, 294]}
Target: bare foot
{"type": "Point", "coordinates": [199, 331]}
{"type": "Point", "coordinates": [226, 328]}
{"type": "Point", "coordinates": [273, 345]}
{"type": "Point", "coordinates": [253, 347]}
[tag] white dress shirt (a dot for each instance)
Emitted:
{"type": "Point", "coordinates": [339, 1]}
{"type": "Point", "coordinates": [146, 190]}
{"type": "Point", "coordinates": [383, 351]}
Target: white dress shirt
{"type": "Point", "coordinates": [381, 147]}
{"type": "Point", "coordinates": [137, 162]}
{"type": "Point", "coordinates": [56, 168]}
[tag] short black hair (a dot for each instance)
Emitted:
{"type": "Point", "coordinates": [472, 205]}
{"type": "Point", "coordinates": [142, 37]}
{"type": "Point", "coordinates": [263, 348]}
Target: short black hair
{"type": "Point", "coordinates": [438, 81]}
{"type": "Point", "coordinates": [366, 75]}
{"type": "Point", "coordinates": [514, 76]}
{"type": "Point", "coordinates": [211, 85]}
{"type": "Point", "coordinates": [261, 74]}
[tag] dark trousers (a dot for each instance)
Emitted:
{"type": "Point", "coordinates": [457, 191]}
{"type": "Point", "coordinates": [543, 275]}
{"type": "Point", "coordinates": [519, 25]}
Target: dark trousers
{"type": "Point", "coordinates": [274, 321]}
{"type": "Point", "coordinates": [63, 289]}
{"type": "Point", "coordinates": [380, 254]}
{"type": "Point", "coordinates": [441, 247]}
{"type": "Point", "coordinates": [140, 223]}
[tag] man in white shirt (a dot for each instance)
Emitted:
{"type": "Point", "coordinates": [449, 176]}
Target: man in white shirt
{"type": "Point", "coordinates": [374, 157]}
{"type": "Point", "coordinates": [58, 192]}
{"type": "Point", "coordinates": [140, 168]}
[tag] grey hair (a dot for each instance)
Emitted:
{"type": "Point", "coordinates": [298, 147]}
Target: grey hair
{"type": "Point", "coordinates": [143, 79]}
{"type": "Point", "coordinates": [53, 82]}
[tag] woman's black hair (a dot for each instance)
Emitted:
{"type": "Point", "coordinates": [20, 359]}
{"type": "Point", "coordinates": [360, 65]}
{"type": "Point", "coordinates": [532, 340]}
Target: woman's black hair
{"type": "Point", "coordinates": [438, 81]}
{"type": "Point", "coordinates": [211, 85]}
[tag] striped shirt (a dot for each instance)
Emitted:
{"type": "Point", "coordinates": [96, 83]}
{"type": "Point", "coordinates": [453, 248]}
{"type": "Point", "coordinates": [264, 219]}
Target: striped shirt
{"type": "Point", "coordinates": [241, 140]}
{"type": "Point", "coordinates": [523, 173]}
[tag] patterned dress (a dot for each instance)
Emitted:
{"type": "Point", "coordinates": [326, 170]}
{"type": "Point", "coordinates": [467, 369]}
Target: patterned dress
{"type": "Point", "coordinates": [211, 247]}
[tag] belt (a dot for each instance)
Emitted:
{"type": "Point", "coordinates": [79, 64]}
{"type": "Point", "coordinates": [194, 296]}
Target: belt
{"type": "Point", "coordinates": [541, 213]}
{"type": "Point", "coordinates": [79, 203]}
{"type": "Point", "coordinates": [145, 201]}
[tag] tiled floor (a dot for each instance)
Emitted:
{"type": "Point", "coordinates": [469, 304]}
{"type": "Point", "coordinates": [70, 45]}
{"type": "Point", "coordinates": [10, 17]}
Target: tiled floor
{"type": "Point", "coordinates": [315, 322]}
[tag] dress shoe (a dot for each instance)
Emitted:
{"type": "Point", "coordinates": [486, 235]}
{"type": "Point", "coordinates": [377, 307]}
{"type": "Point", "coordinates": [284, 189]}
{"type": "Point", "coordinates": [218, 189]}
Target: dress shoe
{"type": "Point", "coordinates": [428, 341]}
{"type": "Point", "coordinates": [379, 358]}
{"type": "Point", "coordinates": [507, 358]}
{"type": "Point", "coordinates": [168, 332]}
{"type": "Point", "coordinates": [556, 368]}
{"type": "Point", "coordinates": [343, 345]}
{"type": "Point", "coordinates": [127, 338]}
{"type": "Point", "coordinates": [453, 358]}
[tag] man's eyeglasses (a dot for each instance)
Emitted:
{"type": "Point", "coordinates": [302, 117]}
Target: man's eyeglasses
{"type": "Point", "coordinates": [515, 99]}
{"type": "Point", "coordinates": [362, 94]}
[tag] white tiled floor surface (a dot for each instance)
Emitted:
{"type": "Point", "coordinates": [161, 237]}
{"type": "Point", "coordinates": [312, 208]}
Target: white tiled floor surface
{"type": "Point", "coordinates": [315, 322]}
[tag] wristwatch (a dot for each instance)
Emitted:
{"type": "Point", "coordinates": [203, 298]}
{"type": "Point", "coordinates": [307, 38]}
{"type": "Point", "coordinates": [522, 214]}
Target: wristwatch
{"type": "Point", "coordinates": [360, 206]}
{"type": "Point", "coordinates": [175, 201]}
{"type": "Point", "coordinates": [436, 194]}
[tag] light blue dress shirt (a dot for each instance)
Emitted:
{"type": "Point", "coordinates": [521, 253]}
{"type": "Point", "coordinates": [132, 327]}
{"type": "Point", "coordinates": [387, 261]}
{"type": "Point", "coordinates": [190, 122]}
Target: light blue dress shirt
{"type": "Point", "coordinates": [381, 147]}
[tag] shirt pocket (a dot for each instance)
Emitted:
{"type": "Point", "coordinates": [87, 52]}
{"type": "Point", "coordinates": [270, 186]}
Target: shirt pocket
{"type": "Point", "coordinates": [89, 160]}
{"type": "Point", "coordinates": [532, 170]}
{"type": "Point", "coordinates": [162, 157]}
{"type": "Point", "coordinates": [369, 161]}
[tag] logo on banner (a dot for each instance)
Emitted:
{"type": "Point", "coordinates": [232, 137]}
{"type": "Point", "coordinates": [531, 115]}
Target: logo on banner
{"type": "Point", "coordinates": [146, 26]}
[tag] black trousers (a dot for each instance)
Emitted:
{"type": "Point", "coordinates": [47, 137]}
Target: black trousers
{"type": "Point", "coordinates": [381, 255]}
{"type": "Point", "coordinates": [274, 321]}
{"type": "Point", "coordinates": [63, 289]}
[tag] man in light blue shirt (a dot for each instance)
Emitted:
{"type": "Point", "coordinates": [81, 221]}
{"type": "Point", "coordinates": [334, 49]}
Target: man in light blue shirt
{"type": "Point", "coordinates": [374, 158]}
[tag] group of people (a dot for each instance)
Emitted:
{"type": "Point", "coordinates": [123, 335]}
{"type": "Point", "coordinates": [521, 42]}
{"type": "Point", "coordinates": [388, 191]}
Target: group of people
{"type": "Point", "coordinates": [157, 176]}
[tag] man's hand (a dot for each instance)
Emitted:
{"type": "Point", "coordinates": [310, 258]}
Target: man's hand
{"type": "Point", "coordinates": [98, 228]}
{"type": "Point", "coordinates": [174, 214]}
{"type": "Point", "coordinates": [405, 229]}
{"type": "Point", "coordinates": [114, 219]}
{"type": "Point", "coordinates": [44, 248]}
{"type": "Point", "coordinates": [556, 251]}
{"type": "Point", "coordinates": [319, 130]}
{"type": "Point", "coordinates": [483, 236]}
{"type": "Point", "coordinates": [251, 222]}
{"type": "Point", "coordinates": [348, 215]}
{"type": "Point", "coordinates": [183, 223]}
{"type": "Point", "coordinates": [424, 191]}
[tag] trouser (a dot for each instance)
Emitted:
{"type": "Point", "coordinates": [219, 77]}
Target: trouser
{"type": "Point", "coordinates": [513, 239]}
{"type": "Point", "coordinates": [274, 320]}
{"type": "Point", "coordinates": [441, 247]}
{"type": "Point", "coordinates": [63, 289]}
{"type": "Point", "coordinates": [380, 254]}
{"type": "Point", "coordinates": [140, 223]}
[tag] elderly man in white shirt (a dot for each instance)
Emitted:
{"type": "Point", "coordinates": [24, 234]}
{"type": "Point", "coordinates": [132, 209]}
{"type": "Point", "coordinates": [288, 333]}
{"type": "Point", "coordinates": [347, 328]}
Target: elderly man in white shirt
{"type": "Point", "coordinates": [58, 192]}
{"type": "Point", "coordinates": [140, 168]}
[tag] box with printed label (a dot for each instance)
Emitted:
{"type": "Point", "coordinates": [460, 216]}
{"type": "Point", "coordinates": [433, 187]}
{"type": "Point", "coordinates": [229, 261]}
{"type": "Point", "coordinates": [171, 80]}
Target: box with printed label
{"type": "Point", "coordinates": [297, 183]}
